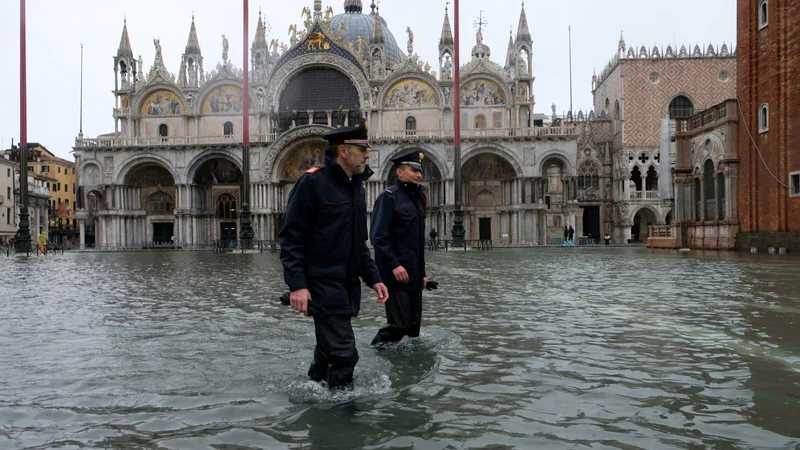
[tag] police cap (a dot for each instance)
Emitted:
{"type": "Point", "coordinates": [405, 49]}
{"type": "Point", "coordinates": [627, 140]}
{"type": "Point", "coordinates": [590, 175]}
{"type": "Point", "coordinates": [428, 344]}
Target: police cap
{"type": "Point", "coordinates": [413, 160]}
{"type": "Point", "coordinates": [349, 135]}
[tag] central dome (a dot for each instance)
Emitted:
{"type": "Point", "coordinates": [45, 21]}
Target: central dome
{"type": "Point", "coordinates": [357, 24]}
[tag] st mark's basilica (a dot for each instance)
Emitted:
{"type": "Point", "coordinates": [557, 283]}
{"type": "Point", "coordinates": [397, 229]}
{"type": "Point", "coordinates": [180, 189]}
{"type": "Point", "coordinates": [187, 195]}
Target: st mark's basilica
{"type": "Point", "coordinates": [172, 169]}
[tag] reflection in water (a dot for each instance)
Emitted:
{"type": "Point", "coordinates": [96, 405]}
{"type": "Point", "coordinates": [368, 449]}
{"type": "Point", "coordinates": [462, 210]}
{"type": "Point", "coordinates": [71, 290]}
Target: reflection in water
{"type": "Point", "coordinates": [520, 348]}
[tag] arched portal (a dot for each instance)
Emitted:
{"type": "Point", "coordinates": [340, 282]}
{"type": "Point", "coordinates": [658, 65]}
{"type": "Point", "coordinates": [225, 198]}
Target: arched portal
{"type": "Point", "coordinates": [641, 220]}
{"type": "Point", "coordinates": [151, 187]}
{"type": "Point", "coordinates": [487, 192]}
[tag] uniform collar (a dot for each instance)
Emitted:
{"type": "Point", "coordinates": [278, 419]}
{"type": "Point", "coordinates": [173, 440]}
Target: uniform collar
{"type": "Point", "coordinates": [411, 188]}
{"type": "Point", "coordinates": [340, 173]}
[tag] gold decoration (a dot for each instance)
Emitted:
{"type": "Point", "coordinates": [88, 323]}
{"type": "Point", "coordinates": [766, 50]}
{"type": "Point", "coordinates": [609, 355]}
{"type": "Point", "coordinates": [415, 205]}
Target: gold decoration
{"type": "Point", "coordinates": [318, 41]}
{"type": "Point", "coordinates": [421, 156]}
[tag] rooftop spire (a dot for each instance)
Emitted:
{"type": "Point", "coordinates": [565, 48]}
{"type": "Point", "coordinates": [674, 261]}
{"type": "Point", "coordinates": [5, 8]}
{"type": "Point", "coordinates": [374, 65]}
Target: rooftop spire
{"type": "Point", "coordinates": [511, 54]}
{"type": "Point", "coordinates": [125, 42]}
{"type": "Point", "coordinates": [377, 33]}
{"type": "Point", "coordinates": [523, 33]}
{"type": "Point", "coordinates": [193, 45]}
{"type": "Point", "coordinates": [261, 33]}
{"type": "Point", "coordinates": [447, 34]}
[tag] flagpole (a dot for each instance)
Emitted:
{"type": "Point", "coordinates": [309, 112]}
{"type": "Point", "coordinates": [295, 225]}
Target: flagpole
{"type": "Point", "coordinates": [457, 231]}
{"type": "Point", "coordinates": [22, 239]}
{"type": "Point", "coordinates": [246, 232]}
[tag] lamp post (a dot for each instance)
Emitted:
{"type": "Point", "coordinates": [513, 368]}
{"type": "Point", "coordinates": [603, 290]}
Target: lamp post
{"type": "Point", "coordinates": [246, 233]}
{"type": "Point", "coordinates": [22, 238]}
{"type": "Point", "coordinates": [458, 215]}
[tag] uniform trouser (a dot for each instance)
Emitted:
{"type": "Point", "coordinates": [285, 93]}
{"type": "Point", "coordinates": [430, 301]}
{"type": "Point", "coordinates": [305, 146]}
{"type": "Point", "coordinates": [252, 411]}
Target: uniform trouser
{"type": "Point", "coordinates": [404, 316]}
{"type": "Point", "coordinates": [335, 355]}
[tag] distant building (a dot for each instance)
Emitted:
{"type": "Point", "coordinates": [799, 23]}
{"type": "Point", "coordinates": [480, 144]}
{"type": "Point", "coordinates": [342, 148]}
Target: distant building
{"type": "Point", "coordinates": [768, 139]}
{"type": "Point", "coordinates": [642, 91]}
{"type": "Point", "coordinates": [59, 177]}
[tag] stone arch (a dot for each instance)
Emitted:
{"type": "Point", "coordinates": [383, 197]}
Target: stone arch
{"type": "Point", "coordinates": [639, 227]}
{"type": "Point", "coordinates": [387, 165]}
{"type": "Point", "coordinates": [558, 155]}
{"type": "Point", "coordinates": [291, 135]}
{"type": "Point", "coordinates": [280, 79]}
{"type": "Point", "coordinates": [716, 151]}
{"type": "Point", "coordinates": [143, 96]}
{"type": "Point", "coordinates": [495, 150]}
{"type": "Point", "coordinates": [198, 161]}
{"type": "Point", "coordinates": [124, 168]}
{"type": "Point", "coordinates": [651, 209]}
{"type": "Point", "coordinates": [396, 78]}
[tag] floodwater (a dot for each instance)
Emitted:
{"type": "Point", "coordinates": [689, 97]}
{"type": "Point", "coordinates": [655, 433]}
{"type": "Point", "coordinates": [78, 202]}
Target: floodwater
{"type": "Point", "coordinates": [521, 348]}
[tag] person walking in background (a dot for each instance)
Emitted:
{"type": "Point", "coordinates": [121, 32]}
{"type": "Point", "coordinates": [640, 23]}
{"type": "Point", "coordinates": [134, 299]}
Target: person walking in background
{"type": "Point", "coordinates": [398, 236]}
{"type": "Point", "coordinates": [571, 233]}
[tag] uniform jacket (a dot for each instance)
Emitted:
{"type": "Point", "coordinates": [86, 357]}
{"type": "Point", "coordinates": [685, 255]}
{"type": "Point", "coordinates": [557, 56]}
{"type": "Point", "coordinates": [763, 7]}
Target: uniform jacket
{"type": "Point", "coordinates": [323, 239]}
{"type": "Point", "coordinates": [397, 233]}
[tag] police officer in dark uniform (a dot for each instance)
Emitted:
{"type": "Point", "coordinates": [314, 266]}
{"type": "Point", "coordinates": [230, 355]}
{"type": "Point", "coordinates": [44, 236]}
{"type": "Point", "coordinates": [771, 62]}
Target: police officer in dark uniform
{"type": "Point", "coordinates": [398, 236]}
{"type": "Point", "coordinates": [324, 252]}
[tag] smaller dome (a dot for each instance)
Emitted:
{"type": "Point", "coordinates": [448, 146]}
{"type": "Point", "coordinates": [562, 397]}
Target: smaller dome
{"type": "Point", "coordinates": [352, 6]}
{"type": "Point", "coordinates": [481, 51]}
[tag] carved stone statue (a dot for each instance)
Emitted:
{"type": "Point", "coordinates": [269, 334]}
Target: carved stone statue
{"type": "Point", "coordinates": [447, 95]}
{"type": "Point", "coordinates": [479, 36]}
{"type": "Point", "coordinates": [192, 74]}
{"type": "Point", "coordinates": [553, 107]}
{"type": "Point", "coordinates": [224, 48]}
{"type": "Point", "coordinates": [157, 43]}
{"type": "Point", "coordinates": [377, 64]}
{"type": "Point", "coordinates": [260, 97]}
{"type": "Point", "coordinates": [410, 46]}
{"type": "Point", "coordinates": [447, 70]}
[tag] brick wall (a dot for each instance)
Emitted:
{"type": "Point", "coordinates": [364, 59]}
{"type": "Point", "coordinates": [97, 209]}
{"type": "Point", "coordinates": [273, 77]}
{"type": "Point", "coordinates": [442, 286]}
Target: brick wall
{"type": "Point", "coordinates": [768, 70]}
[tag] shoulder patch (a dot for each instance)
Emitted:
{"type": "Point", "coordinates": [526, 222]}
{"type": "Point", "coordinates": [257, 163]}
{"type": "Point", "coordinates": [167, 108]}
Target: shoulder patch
{"type": "Point", "coordinates": [314, 169]}
{"type": "Point", "coordinates": [392, 190]}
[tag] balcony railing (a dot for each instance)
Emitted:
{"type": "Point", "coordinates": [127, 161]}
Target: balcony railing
{"type": "Point", "coordinates": [706, 117]}
{"type": "Point", "coordinates": [478, 133]}
{"type": "Point", "coordinates": [168, 141]}
{"type": "Point", "coordinates": [649, 195]}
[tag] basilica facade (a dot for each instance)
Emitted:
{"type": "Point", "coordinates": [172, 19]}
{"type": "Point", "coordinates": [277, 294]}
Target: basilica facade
{"type": "Point", "coordinates": [171, 172]}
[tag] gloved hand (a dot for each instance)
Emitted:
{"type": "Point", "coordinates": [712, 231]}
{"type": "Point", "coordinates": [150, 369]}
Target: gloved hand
{"type": "Point", "coordinates": [432, 285]}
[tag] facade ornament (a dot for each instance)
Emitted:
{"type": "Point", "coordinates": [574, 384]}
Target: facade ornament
{"type": "Point", "coordinates": [224, 49]}
{"type": "Point", "coordinates": [410, 46]}
{"type": "Point", "coordinates": [292, 35]}
{"type": "Point", "coordinates": [447, 72]}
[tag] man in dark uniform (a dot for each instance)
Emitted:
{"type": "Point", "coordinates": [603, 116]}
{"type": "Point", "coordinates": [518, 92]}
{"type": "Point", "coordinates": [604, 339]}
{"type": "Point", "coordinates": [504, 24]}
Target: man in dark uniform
{"type": "Point", "coordinates": [398, 236]}
{"type": "Point", "coordinates": [324, 252]}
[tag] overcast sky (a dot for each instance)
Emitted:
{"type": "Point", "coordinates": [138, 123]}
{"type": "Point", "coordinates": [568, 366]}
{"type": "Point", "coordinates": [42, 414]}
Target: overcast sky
{"type": "Point", "coordinates": [56, 29]}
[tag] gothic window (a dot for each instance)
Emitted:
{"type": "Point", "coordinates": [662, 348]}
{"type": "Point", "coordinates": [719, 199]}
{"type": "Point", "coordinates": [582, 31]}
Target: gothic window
{"type": "Point", "coordinates": [651, 182]}
{"type": "Point", "coordinates": [680, 106]}
{"type": "Point", "coordinates": [158, 202]}
{"type": "Point", "coordinates": [588, 176]}
{"type": "Point", "coordinates": [411, 126]}
{"type": "Point", "coordinates": [163, 131]}
{"type": "Point", "coordinates": [226, 207]}
{"type": "Point", "coordinates": [763, 14]}
{"type": "Point", "coordinates": [617, 112]}
{"type": "Point", "coordinates": [763, 118]}
{"type": "Point", "coordinates": [319, 90]}
{"type": "Point", "coordinates": [708, 189]}
{"type": "Point", "coordinates": [227, 129]}
{"type": "Point", "coordinates": [636, 177]}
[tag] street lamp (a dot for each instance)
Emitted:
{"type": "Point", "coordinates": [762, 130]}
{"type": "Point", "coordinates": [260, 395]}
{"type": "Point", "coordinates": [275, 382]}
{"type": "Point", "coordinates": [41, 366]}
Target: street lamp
{"type": "Point", "coordinates": [458, 215]}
